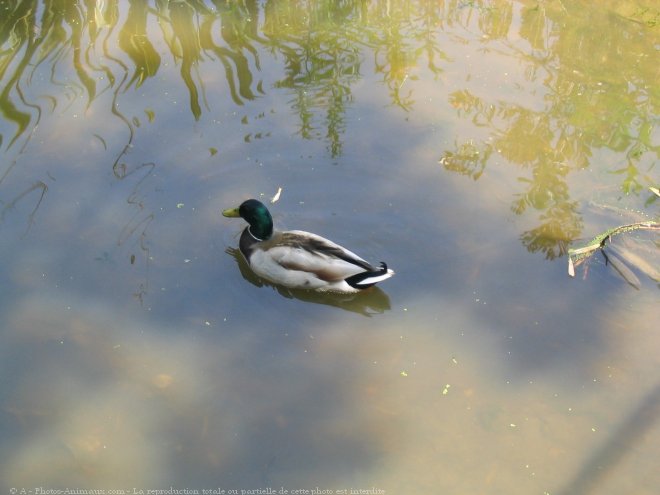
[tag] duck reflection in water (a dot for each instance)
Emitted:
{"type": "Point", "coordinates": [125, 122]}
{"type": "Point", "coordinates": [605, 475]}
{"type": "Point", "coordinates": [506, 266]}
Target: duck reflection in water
{"type": "Point", "coordinates": [367, 303]}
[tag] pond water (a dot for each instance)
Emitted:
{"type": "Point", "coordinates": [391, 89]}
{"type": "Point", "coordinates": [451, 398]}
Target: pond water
{"type": "Point", "coordinates": [468, 144]}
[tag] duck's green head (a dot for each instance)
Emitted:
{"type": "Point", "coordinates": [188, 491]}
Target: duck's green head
{"type": "Point", "coordinates": [257, 215]}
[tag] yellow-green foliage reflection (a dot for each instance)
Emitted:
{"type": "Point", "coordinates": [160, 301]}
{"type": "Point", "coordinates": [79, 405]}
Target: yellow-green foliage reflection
{"type": "Point", "coordinates": [320, 44]}
{"type": "Point", "coordinates": [598, 76]}
{"type": "Point", "coordinates": [594, 65]}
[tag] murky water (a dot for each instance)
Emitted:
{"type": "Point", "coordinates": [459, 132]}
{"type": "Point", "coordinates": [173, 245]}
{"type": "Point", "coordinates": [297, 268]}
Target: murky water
{"type": "Point", "coordinates": [468, 144]}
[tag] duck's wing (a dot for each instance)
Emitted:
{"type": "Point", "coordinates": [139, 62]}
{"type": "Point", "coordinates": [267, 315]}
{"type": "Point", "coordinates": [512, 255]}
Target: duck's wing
{"type": "Point", "coordinates": [304, 251]}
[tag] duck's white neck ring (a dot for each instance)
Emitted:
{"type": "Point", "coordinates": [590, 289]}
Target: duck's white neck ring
{"type": "Point", "coordinates": [254, 236]}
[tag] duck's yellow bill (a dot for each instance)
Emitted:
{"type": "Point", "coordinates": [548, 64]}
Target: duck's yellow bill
{"type": "Point", "coordinates": [231, 212]}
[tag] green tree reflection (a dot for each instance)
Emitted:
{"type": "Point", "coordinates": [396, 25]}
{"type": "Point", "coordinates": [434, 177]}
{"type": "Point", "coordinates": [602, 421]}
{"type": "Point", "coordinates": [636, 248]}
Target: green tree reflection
{"type": "Point", "coordinates": [320, 42]}
{"type": "Point", "coordinates": [134, 41]}
{"type": "Point", "coordinates": [587, 107]}
{"type": "Point", "coordinates": [323, 48]}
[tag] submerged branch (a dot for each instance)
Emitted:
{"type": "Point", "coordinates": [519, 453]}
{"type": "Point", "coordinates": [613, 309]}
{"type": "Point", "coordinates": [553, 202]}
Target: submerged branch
{"type": "Point", "coordinates": [576, 256]}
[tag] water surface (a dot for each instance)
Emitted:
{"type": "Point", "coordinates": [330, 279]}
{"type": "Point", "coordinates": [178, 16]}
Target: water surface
{"type": "Point", "coordinates": [468, 144]}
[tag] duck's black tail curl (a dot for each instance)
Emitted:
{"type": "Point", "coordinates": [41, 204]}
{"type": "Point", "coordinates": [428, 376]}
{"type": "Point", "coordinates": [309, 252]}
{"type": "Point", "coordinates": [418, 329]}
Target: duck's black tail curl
{"type": "Point", "coordinates": [365, 280]}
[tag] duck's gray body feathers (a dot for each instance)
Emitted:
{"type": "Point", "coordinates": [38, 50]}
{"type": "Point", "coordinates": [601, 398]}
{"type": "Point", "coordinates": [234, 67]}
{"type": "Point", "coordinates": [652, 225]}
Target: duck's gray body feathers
{"type": "Point", "coordinates": [299, 259]}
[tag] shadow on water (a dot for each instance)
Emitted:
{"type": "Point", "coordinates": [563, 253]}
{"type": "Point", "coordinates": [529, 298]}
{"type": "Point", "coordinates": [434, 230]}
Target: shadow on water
{"type": "Point", "coordinates": [625, 438]}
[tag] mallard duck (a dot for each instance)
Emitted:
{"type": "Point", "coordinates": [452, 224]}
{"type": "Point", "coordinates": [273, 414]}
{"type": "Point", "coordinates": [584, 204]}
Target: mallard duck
{"type": "Point", "coordinates": [298, 259]}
